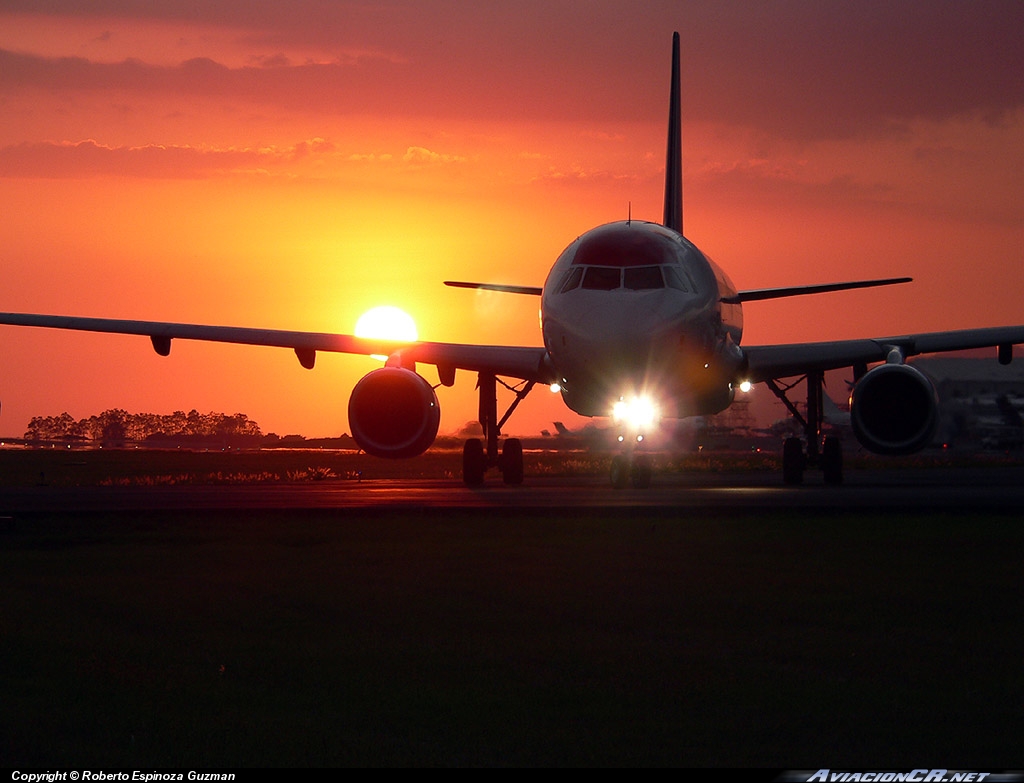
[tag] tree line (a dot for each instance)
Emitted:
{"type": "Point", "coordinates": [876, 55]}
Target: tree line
{"type": "Point", "coordinates": [115, 427]}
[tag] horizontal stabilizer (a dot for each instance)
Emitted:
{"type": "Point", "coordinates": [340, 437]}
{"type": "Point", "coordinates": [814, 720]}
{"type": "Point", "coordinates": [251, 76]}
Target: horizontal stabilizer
{"type": "Point", "coordinates": [756, 294]}
{"type": "Point", "coordinates": [505, 289]}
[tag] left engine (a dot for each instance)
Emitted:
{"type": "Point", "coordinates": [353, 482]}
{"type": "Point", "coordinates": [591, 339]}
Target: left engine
{"type": "Point", "coordinates": [894, 409]}
{"type": "Point", "coordinates": [393, 413]}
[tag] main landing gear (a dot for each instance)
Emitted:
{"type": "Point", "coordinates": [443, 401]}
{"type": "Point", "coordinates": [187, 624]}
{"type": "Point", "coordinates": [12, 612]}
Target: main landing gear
{"type": "Point", "coordinates": [824, 453]}
{"type": "Point", "coordinates": [479, 455]}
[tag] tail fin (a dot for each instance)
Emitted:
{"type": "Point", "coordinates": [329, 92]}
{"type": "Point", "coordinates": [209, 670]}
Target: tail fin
{"type": "Point", "coordinates": [674, 159]}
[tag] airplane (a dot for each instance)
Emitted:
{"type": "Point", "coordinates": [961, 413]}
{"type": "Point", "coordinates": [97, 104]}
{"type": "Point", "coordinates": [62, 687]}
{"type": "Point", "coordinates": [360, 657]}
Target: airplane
{"type": "Point", "coordinates": [637, 324]}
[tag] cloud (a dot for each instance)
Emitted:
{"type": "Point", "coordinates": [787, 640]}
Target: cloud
{"type": "Point", "coordinates": [817, 70]}
{"type": "Point", "coordinates": [315, 146]}
{"type": "Point", "coordinates": [423, 157]}
{"type": "Point", "coordinates": [88, 158]}
{"type": "Point", "coordinates": [751, 168]}
{"type": "Point", "coordinates": [279, 60]}
{"type": "Point", "coordinates": [799, 69]}
{"type": "Point", "coordinates": [308, 86]}
{"type": "Point", "coordinates": [369, 157]}
{"type": "Point", "coordinates": [581, 175]}
{"type": "Point", "coordinates": [757, 181]}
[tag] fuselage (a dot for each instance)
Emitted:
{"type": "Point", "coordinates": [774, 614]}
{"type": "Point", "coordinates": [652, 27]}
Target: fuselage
{"type": "Point", "coordinates": [634, 310]}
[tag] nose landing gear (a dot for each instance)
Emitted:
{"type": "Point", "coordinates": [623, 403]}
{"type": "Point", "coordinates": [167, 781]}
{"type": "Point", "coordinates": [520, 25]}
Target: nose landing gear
{"type": "Point", "coordinates": [635, 470]}
{"type": "Point", "coordinates": [630, 467]}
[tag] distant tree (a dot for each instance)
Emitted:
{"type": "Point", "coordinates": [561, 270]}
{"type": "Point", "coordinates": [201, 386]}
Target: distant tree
{"type": "Point", "coordinates": [35, 428]}
{"type": "Point", "coordinates": [115, 427]}
{"type": "Point", "coordinates": [50, 427]}
{"type": "Point", "coordinates": [194, 424]}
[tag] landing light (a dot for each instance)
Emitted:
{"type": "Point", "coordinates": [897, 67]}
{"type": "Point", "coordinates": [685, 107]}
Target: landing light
{"type": "Point", "coordinates": [746, 386]}
{"type": "Point", "coordinates": [637, 412]}
{"type": "Point", "coordinates": [555, 388]}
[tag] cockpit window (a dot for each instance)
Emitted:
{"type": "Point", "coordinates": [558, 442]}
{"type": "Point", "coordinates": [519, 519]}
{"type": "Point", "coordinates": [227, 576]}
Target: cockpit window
{"type": "Point", "coordinates": [601, 278]}
{"type": "Point", "coordinates": [635, 278]}
{"type": "Point", "coordinates": [676, 280]}
{"type": "Point", "coordinates": [640, 278]}
{"type": "Point", "coordinates": [572, 280]}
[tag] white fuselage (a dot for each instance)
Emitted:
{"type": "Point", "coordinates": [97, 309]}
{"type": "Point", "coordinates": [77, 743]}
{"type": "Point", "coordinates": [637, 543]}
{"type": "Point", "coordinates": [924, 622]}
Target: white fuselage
{"type": "Point", "coordinates": [633, 309]}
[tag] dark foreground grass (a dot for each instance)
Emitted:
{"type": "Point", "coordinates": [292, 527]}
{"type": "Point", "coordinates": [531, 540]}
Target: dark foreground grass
{"type": "Point", "coordinates": [457, 638]}
{"type": "Point", "coordinates": [155, 467]}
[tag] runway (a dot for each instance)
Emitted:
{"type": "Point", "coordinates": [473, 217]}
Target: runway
{"type": "Point", "coordinates": [715, 619]}
{"type": "Point", "coordinates": [991, 488]}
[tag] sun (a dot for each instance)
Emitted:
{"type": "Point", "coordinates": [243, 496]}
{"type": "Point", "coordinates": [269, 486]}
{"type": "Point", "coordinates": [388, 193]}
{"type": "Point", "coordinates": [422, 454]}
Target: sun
{"type": "Point", "coordinates": [387, 323]}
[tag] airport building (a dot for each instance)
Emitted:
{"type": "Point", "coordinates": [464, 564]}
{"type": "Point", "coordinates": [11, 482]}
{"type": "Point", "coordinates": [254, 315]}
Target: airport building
{"type": "Point", "coordinates": [980, 402]}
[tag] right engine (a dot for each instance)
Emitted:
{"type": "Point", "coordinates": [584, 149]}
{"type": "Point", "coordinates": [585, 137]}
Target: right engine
{"type": "Point", "coordinates": [393, 413]}
{"type": "Point", "coordinates": [894, 410]}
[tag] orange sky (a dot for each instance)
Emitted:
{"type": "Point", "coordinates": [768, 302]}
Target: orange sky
{"type": "Point", "coordinates": [296, 168]}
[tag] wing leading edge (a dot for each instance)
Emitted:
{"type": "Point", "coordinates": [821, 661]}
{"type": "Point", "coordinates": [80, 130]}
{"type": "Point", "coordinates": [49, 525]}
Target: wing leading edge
{"type": "Point", "coordinates": [765, 362]}
{"type": "Point", "coordinates": [519, 362]}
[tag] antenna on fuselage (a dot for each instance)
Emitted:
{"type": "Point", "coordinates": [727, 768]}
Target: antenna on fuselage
{"type": "Point", "coordinates": [629, 212]}
{"type": "Point", "coordinates": [674, 158]}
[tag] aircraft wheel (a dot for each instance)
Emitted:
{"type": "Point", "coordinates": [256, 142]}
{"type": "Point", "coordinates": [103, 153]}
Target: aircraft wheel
{"type": "Point", "coordinates": [620, 472]}
{"type": "Point", "coordinates": [474, 463]}
{"type": "Point", "coordinates": [640, 472]}
{"type": "Point", "coordinates": [832, 460]}
{"type": "Point", "coordinates": [512, 461]}
{"type": "Point", "coordinates": [792, 461]}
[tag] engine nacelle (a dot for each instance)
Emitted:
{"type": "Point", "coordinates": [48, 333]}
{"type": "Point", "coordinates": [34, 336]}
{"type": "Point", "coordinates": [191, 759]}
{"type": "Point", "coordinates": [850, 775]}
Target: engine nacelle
{"type": "Point", "coordinates": [894, 410]}
{"type": "Point", "coordinates": [393, 413]}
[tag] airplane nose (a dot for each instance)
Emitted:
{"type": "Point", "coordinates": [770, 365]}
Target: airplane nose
{"type": "Point", "coordinates": [624, 340]}
{"type": "Point", "coordinates": [629, 325]}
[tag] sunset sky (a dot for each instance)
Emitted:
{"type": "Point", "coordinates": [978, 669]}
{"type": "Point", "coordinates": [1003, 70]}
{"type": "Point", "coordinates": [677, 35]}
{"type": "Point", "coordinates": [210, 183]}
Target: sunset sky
{"type": "Point", "coordinates": [290, 165]}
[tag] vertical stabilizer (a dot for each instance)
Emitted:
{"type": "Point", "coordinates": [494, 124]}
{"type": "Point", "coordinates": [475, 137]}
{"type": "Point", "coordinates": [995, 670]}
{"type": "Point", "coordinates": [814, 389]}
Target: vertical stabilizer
{"type": "Point", "coordinates": [674, 159]}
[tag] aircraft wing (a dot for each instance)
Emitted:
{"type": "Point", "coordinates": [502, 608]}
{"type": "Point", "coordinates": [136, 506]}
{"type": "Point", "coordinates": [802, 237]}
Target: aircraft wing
{"type": "Point", "coordinates": [512, 361]}
{"type": "Point", "coordinates": [781, 361]}
{"type": "Point", "coordinates": [529, 290]}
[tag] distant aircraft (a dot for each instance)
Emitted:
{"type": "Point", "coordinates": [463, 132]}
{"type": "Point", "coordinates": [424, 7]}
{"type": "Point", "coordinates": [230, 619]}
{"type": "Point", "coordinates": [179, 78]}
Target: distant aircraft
{"type": "Point", "coordinates": [637, 324]}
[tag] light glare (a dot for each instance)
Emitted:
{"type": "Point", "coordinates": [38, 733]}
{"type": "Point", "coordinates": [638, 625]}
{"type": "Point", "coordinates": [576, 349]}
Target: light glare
{"type": "Point", "coordinates": [637, 412]}
{"type": "Point", "coordinates": [387, 323]}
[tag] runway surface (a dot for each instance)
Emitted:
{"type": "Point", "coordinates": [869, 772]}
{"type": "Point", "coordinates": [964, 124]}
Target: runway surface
{"type": "Point", "coordinates": [989, 488]}
{"type": "Point", "coordinates": [713, 620]}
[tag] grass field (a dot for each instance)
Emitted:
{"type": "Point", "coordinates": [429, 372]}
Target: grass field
{"type": "Point", "coordinates": [146, 467]}
{"type": "Point", "coordinates": [322, 638]}
{"type": "Point", "coordinates": [152, 467]}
